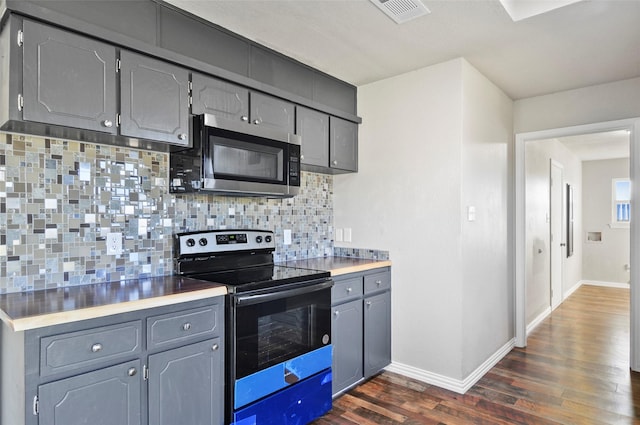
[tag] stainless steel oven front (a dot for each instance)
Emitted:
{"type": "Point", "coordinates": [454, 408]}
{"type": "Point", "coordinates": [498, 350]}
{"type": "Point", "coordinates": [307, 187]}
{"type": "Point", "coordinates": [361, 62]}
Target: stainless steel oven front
{"type": "Point", "coordinates": [280, 337]}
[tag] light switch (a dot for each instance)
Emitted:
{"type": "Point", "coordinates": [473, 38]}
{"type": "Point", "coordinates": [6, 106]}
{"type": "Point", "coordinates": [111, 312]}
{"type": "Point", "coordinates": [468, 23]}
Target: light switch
{"type": "Point", "coordinates": [347, 234]}
{"type": "Point", "coordinates": [471, 213]}
{"type": "Point", "coordinates": [338, 235]}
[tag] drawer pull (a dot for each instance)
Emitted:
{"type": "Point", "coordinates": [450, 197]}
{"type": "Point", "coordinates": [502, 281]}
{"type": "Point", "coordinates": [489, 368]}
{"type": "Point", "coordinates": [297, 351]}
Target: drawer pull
{"type": "Point", "coordinates": [186, 326]}
{"type": "Point", "coordinates": [215, 347]}
{"type": "Point", "coordinates": [378, 282]}
{"type": "Point", "coordinates": [95, 348]}
{"type": "Point", "coordinates": [349, 290]}
{"type": "Point", "coordinates": [132, 371]}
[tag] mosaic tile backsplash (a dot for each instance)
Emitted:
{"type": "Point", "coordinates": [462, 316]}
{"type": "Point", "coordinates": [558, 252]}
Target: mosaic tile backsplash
{"type": "Point", "coordinates": [59, 199]}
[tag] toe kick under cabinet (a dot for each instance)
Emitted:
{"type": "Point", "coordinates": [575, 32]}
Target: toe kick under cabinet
{"type": "Point", "coordinates": [361, 326]}
{"type": "Point", "coordinates": [160, 366]}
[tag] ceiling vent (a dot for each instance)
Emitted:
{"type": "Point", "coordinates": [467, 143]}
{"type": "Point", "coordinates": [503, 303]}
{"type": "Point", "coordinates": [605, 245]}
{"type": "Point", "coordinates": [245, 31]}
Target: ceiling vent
{"type": "Point", "coordinates": [402, 11]}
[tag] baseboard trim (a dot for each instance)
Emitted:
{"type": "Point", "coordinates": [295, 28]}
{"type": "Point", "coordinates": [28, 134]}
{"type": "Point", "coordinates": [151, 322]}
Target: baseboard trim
{"type": "Point", "coordinates": [456, 385]}
{"type": "Point", "coordinates": [535, 322]}
{"type": "Point", "coordinates": [607, 284]}
{"type": "Point", "coordinates": [573, 289]}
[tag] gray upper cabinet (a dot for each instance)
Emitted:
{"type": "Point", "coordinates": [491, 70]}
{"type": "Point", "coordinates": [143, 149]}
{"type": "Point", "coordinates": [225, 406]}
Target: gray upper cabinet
{"type": "Point", "coordinates": [219, 98]}
{"type": "Point", "coordinates": [68, 80]}
{"type": "Point", "coordinates": [269, 111]}
{"type": "Point", "coordinates": [313, 127]}
{"type": "Point", "coordinates": [185, 385]}
{"type": "Point", "coordinates": [343, 150]}
{"type": "Point", "coordinates": [104, 397]}
{"type": "Point", "coordinates": [154, 99]}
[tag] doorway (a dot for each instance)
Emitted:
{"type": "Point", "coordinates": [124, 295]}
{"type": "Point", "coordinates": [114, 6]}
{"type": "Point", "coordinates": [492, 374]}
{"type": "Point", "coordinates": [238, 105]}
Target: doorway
{"type": "Point", "coordinates": [633, 127]}
{"type": "Point", "coordinates": [556, 201]}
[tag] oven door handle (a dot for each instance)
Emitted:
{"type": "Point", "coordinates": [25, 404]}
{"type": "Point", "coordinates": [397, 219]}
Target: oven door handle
{"type": "Point", "coordinates": [270, 296]}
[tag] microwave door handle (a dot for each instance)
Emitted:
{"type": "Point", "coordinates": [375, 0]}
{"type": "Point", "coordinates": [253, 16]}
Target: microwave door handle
{"type": "Point", "coordinates": [271, 296]}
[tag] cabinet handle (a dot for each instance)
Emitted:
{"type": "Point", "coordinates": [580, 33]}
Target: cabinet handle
{"type": "Point", "coordinates": [186, 326]}
{"type": "Point", "coordinates": [215, 347]}
{"type": "Point", "coordinates": [244, 118]}
{"type": "Point", "coordinates": [107, 123]}
{"type": "Point", "coordinates": [182, 136]}
{"type": "Point", "coordinates": [96, 348]}
{"type": "Point", "coordinates": [334, 162]}
{"type": "Point", "coordinates": [132, 371]}
{"type": "Point", "coordinates": [257, 121]}
{"type": "Point", "coordinates": [368, 303]}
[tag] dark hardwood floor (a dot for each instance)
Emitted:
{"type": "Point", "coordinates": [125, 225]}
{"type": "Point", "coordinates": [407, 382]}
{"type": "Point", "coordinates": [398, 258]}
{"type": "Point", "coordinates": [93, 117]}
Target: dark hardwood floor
{"type": "Point", "coordinates": [575, 370]}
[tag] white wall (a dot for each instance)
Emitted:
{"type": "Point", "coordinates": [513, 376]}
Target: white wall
{"type": "Point", "coordinates": [432, 142]}
{"type": "Point", "coordinates": [537, 157]}
{"type": "Point", "coordinates": [487, 285]}
{"type": "Point", "coordinates": [601, 103]}
{"type": "Point", "coordinates": [603, 261]}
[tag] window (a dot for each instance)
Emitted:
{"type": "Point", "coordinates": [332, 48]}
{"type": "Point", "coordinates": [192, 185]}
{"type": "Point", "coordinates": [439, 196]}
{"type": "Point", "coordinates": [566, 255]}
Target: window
{"type": "Point", "coordinates": [621, 203]}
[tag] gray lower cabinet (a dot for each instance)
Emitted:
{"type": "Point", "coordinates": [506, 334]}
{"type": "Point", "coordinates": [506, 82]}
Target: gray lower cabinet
{"type": "Point", "coordinates": [361, 326]}
{"type": "Point", "coordinates": [185, 385]}
{"type": "Point", "coordinates": [158, 366]}
{"type": "Point", "coordinates": [154, 99]}
{"type": "Point", "coordinates": [104, 397]}
{"type": "Point", "coordinates": [68, 80]}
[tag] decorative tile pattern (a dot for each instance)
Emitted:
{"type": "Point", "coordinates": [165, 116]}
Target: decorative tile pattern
{"type": "Point", "coordinates": [59, 199]}
{"type": "Point", "coordinates": [368, 254]}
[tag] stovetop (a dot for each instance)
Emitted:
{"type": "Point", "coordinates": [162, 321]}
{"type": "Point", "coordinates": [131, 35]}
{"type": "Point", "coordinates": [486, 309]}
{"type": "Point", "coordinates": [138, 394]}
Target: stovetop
{"type": "Point", "coordinates": [240, 259]}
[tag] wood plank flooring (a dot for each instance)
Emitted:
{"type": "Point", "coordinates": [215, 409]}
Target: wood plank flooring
{"type": "Point", "coordinates": [575, 370]}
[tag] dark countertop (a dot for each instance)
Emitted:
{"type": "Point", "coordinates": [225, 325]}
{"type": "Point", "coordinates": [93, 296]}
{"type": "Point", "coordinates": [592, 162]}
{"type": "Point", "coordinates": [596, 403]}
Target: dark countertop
{"type": "Point", "coordinates": [34, 309]}
{"type": "Point", "coordinates": [338, 265]}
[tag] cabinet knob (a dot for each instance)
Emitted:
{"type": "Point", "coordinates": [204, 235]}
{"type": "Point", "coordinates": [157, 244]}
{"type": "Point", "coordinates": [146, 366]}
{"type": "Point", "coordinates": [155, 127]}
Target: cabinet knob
{"type": "Point", "coordinates": [349, 290]}
{"type": "Point", "coordinates": [257, 121]}
{"type": "Point", "coordinates": [244, 118]}
{"type": "Point", "coordinates": [107, 123]}
{"type": "Point", "coordinates": [96, 348]}
{"type": "Point", "coordinates": [378, 282]}
{"type": "Point", "coordinates": [368, 303]}
{"type": "Point", "coordinates": [186, 326]}
{"type": "Point", "coordinates": [301, 156]}
{"type": "Point", "coordinates": [132, 371]}
{"type": "Point", "coordinates": [182, 136]}
{"type": "Point", "coordinates": [336, 313]}
{"type": "Point", "coordinates": [334, 162]}
{"type": "Point", "coordinates": [215, 347]}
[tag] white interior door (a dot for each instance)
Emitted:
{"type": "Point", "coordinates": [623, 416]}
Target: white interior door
{"type": "Point", "coordinates": [557, 235]}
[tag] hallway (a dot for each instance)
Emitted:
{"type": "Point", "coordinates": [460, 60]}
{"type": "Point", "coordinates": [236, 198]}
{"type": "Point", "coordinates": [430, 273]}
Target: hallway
{"type": "Point", "coordinates": [575, 370]}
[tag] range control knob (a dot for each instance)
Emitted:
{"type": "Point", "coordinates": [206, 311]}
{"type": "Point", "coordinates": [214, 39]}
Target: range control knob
{"type": "Point", "coordinates": [259, 239]}
{"type": "Point", "coordinates": [190, 242]}
{"type": "Point", "coordinates": [267, 239]}
{"type": "Point", "coordinates": [203, 242]}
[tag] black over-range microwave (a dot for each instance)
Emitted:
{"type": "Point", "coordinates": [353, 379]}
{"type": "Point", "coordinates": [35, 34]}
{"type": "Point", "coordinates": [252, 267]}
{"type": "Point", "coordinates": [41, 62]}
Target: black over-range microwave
{"type": "Point", "coordinates": [237, 159]}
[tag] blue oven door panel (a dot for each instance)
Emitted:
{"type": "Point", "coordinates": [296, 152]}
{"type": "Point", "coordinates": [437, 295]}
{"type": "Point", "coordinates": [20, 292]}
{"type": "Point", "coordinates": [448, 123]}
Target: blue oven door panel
{"type": "Point", "coordinates": [296, 405]}
{"type": "Point", "coordinates": [267, 381]}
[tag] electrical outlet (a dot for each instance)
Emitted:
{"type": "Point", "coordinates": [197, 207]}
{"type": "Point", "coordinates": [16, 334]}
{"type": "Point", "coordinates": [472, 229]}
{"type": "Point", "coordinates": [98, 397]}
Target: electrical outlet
{"type": "Point", "coordinates": [114, 243]}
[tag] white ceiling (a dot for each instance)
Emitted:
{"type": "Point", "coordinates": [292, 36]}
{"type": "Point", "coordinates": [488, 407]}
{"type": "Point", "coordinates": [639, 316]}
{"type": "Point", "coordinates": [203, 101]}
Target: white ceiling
{"type": "Point", "coordinates": [578, 45]}
{"type": "Point", "coordinates": [598, 146]}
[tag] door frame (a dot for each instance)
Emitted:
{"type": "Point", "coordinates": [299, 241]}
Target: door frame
{"type": "Point", "coordinates": [556, 245]}
{"type": "Point", "coordinates": [632, 125]}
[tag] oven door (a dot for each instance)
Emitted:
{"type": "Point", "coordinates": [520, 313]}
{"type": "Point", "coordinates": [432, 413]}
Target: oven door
{"type": "Point", "coordinates": [281, 337]}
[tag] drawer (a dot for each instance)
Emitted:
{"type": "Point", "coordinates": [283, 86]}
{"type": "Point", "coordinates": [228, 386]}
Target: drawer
{"type": "Point", "coordinates": [377, 282]}
{"type": "Point", "coordinates": [70, 351]}
{"type": "Point", "coordinates": [346, 289]}
{"type": "Point", "coordinates": [183, 325]}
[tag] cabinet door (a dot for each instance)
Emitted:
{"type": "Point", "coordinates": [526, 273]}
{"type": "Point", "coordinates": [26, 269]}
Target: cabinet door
{"type": "Point", "coordinates": [185, 385]}
{"type": "Point", "coordinates": [69, 80]}
{"type": "Point", "coordinates": [313, 127]}
{"type": "Point", "coordinates": [346, 330]}
{"type": "Point", "coordinates": [343, 144]}
{"type": "Point", "coordinates": [105, 397]}
{"type": "Point", "coordinates": [272, 112]}
{"type": "Point", "coordinates": [154, 99]}
{"type": "Point", "coordinates": [377, 333]}
{"type": "Point", "coordinates": [219, 98]}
